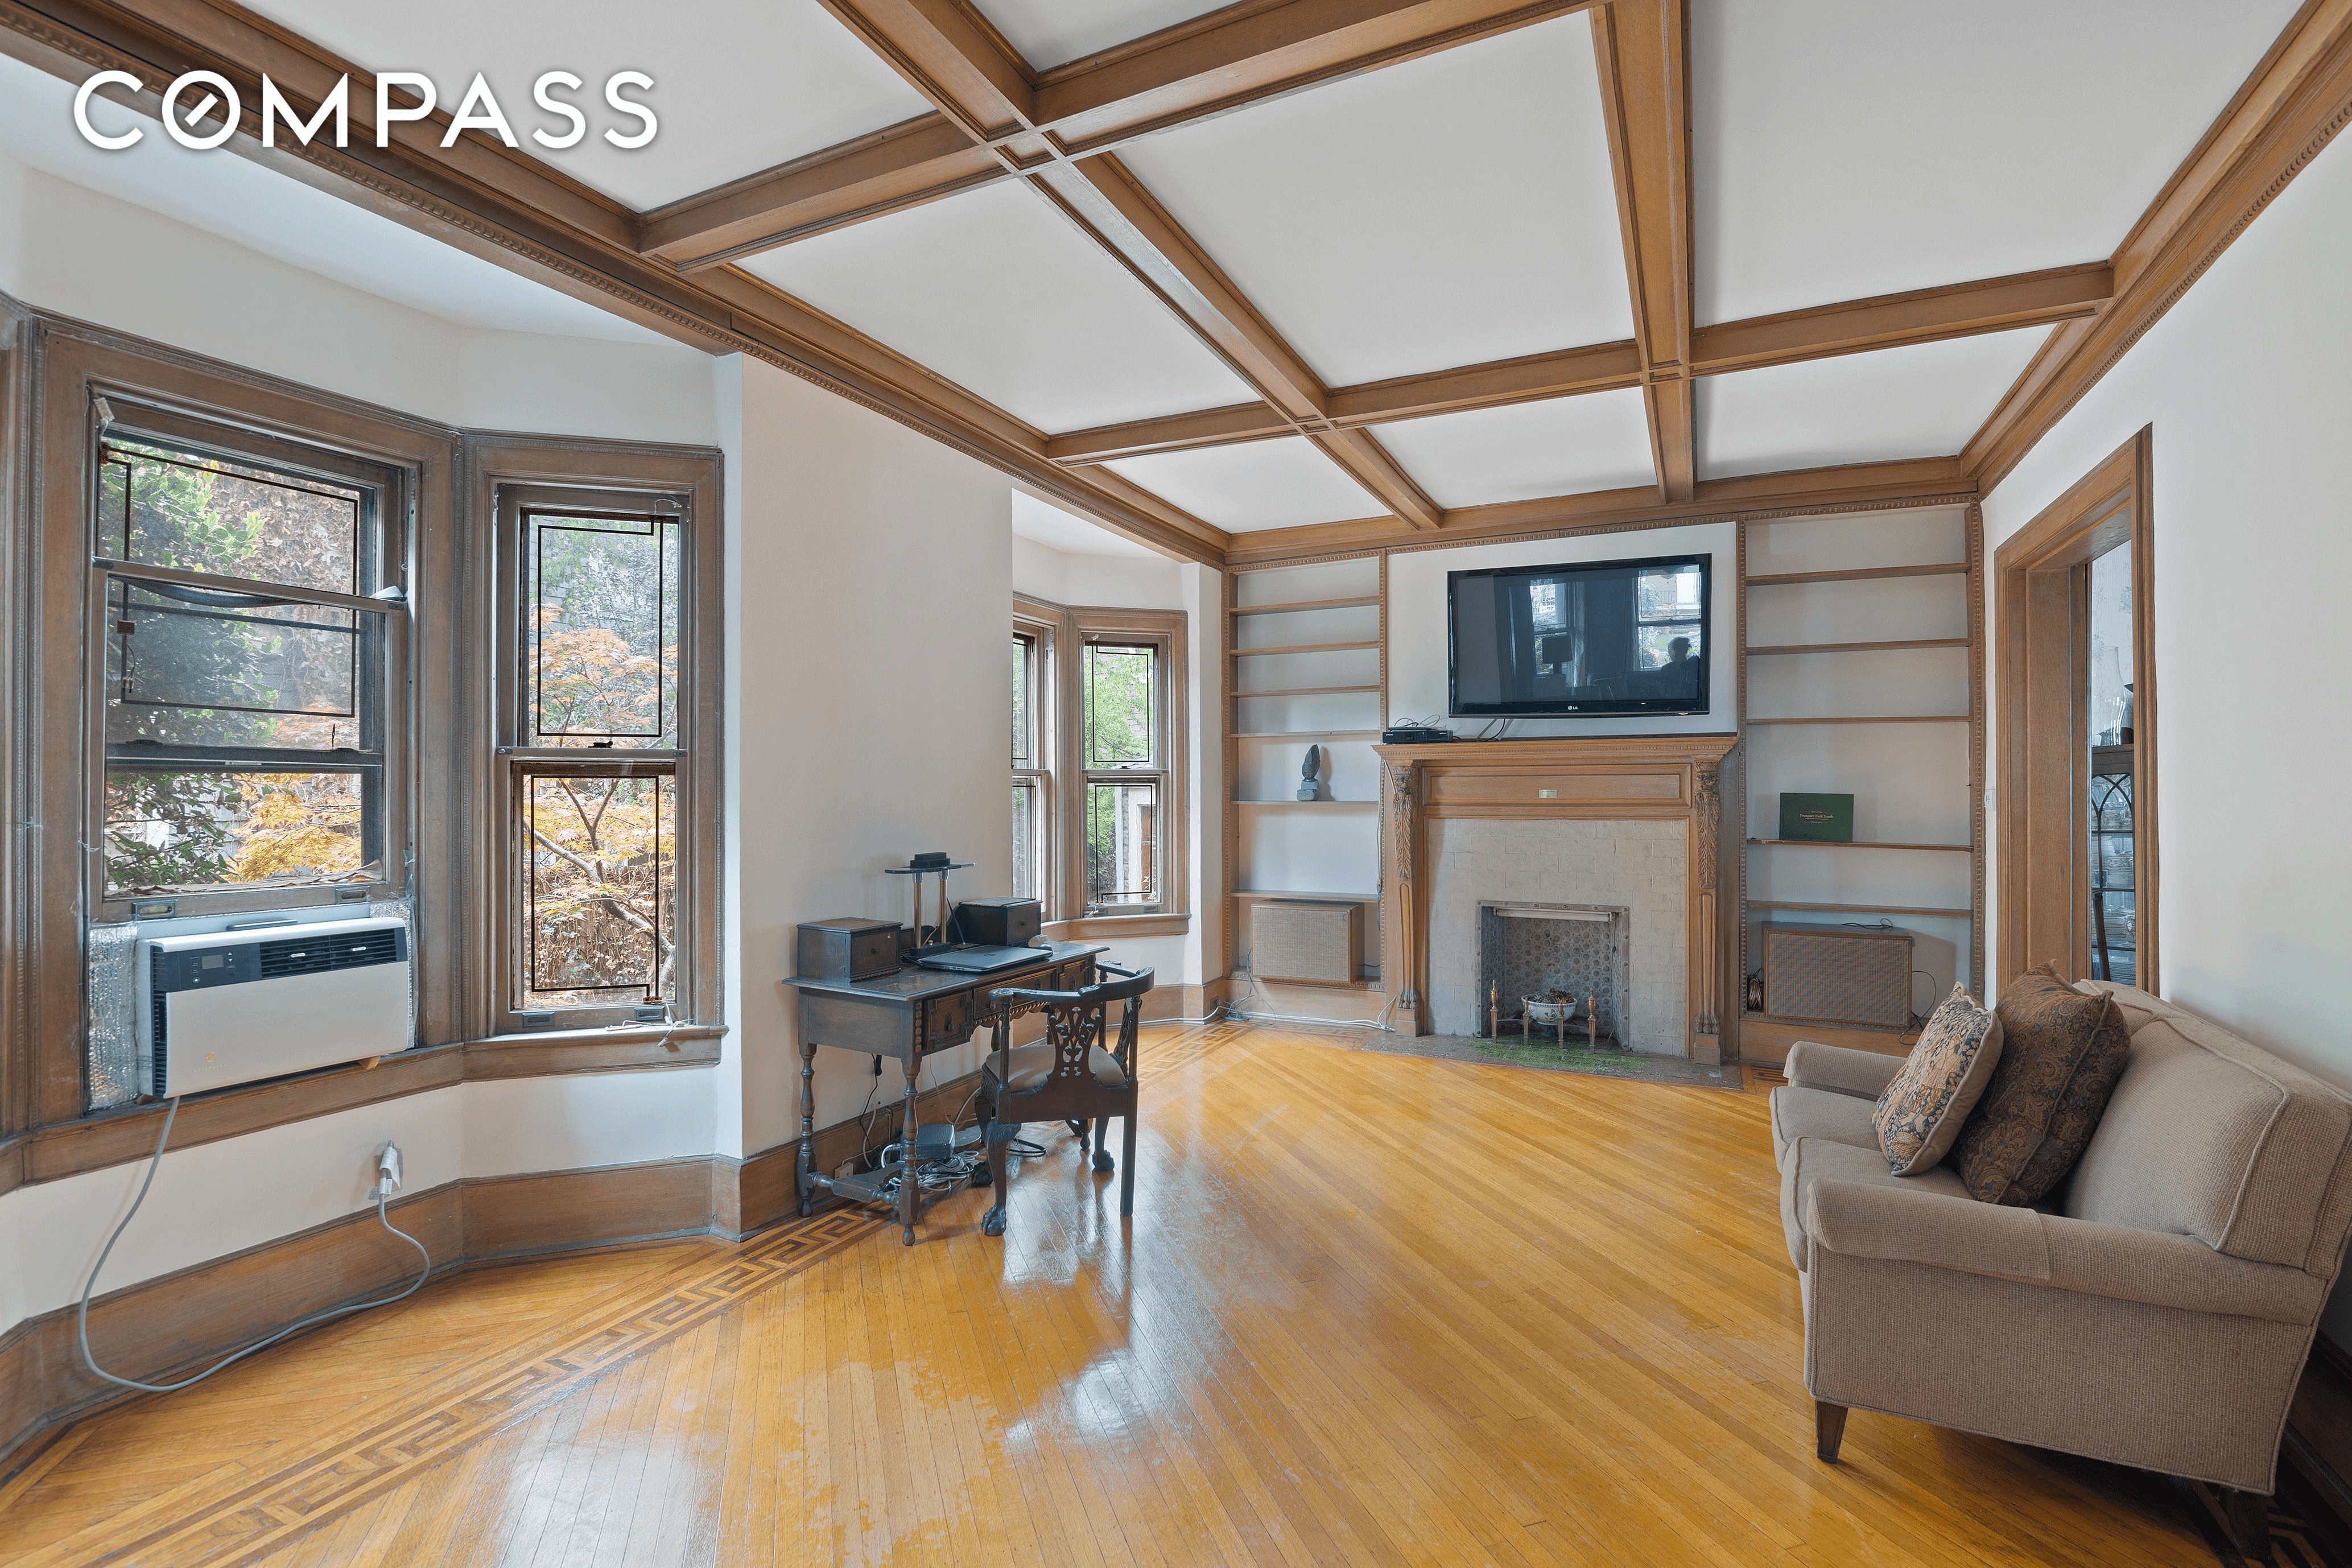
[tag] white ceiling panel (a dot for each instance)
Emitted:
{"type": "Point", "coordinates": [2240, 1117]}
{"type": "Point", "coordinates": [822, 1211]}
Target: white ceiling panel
{"type": "Point", "coordinates": [997, 291]}
{"type": "Point", "coordinates": [1259, 485]}
{"type": "Point", "coordinates": [241, 201]}
{"type": "Point", "coordinates": [1055, 31]}
{"type": "Point", "coordinates": [1599, 441]}
{"type": "Point", "coordinates": [1847, 148]}
{"type": "Point", "coordinates": [739, 85]}
{"type": "Point", "coordinates": [1924, 401]}
{"type": "Point", "coordinates": [1041, 523]}
{"type": "Point", "coordinates": [1451, 210]}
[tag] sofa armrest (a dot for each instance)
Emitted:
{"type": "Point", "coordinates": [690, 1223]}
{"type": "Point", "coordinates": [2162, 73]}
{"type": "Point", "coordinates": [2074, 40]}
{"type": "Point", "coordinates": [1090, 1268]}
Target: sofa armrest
{"type": "Point", "coordinates": [1840, 1069]}
{"type": "Point", "coordinates": [2158, 1268]}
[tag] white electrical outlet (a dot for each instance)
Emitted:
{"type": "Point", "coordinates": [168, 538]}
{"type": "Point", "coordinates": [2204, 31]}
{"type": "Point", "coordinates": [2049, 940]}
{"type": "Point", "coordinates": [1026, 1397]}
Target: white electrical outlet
{"type": "Point", "coordinates": [387, 1170]}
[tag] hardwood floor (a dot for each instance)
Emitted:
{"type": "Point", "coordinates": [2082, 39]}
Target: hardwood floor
{"type": "Point", "coordinates": [1372, 1309]}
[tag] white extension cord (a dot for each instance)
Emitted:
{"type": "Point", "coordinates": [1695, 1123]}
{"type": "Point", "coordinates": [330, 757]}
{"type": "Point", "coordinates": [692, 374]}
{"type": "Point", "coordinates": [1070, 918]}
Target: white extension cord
{"type": "Point", "coordinates": [387, 1178]}
{"type": "Point", "coordinates": [1380, 1025]}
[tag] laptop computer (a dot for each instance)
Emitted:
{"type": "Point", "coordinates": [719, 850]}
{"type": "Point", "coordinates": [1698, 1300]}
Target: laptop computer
{"type": "Point", "coordinates": [980, 960]}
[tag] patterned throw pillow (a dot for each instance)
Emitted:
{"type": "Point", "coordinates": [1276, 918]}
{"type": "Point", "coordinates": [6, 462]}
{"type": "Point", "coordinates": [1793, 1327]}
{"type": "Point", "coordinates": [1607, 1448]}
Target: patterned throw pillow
{"type": "Point", "coordinates": [2063, 1052]}
{"type": "Point", "coordinates": [1921, 1110]}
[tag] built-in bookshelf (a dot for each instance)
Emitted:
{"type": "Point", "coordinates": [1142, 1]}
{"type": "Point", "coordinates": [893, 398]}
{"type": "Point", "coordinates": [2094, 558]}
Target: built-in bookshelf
{"type": "Point", "coordinates": [1305, 666]}
{"type": "Point", "coordinates": [1861, 672]}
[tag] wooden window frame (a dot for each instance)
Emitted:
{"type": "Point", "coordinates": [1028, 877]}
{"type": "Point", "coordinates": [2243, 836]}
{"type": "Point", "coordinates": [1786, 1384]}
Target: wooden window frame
{"type": "Point", "coordinates": [57, 371]}
{"type": "Point", "coordinates": [511, 475]}
{"type": "Point", "coordinates": [1070, 628]}
{"type": "Point", "coordinates": [1040, 776]}
{"type": "Point", "coordinates": [135, 414]}
{"type": "Point", "coordinates": [2041, 587]}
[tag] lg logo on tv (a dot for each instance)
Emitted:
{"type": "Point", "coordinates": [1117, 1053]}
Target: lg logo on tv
{"type": "Point", "coordinates": [196, 97]}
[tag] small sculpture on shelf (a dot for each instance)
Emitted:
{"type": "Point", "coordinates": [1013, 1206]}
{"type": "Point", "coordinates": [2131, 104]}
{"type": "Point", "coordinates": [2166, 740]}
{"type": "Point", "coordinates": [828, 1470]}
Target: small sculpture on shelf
{"type": "Point", "coordinates": [1309, 786]}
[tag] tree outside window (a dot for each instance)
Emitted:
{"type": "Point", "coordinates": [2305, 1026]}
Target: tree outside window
{"type": "Point", "coordinates": [243, 692]}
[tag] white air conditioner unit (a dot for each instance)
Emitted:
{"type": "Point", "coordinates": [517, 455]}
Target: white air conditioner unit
{"type": "Point", "coordinates": [224, 1007]}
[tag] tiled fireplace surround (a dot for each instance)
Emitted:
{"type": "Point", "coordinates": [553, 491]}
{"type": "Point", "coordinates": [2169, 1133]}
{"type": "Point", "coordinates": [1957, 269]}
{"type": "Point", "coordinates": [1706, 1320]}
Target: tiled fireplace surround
{"type": "Point", "coordinates": [1614, 821]}
{"type": "Point", "coordinates": [1638, 865]}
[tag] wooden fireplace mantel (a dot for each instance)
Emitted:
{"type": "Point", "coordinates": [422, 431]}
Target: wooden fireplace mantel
{"type": "Point", "coordinates": [1605, 777]}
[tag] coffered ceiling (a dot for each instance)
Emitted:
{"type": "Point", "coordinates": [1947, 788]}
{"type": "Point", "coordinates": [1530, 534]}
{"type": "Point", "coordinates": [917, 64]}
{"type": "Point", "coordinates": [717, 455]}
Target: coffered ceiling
{"type": "Point", "coordinates": [1334, 272]}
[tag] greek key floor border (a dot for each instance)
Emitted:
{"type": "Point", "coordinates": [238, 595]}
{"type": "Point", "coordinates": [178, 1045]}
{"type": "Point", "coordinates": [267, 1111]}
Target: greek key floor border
{"type": "Point", "coordinates": [476, 1398]}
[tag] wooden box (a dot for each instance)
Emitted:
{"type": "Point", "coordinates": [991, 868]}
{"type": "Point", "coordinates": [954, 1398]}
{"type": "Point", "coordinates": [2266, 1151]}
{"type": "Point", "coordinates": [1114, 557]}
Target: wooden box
{"type": "Point", "coordinates": [1311, 942]}
{"type": "Point", "coordinates": [848, 947]}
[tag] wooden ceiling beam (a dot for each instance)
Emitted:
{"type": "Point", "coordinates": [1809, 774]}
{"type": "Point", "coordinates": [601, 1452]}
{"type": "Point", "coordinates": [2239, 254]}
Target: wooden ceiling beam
{"type": "Point", "coordinates": [1891, 321]}
{"type": "Point", "coordinates": [2293, 105]}
{"type": "Point", "coordinates": [509, 208]}
{"type": "Point", "coordinates": [1224, 426]}
{"type": "Point", "coordinates": [906, 164]}
{"type": "Point", "coordinates": [1369, 464]}
{"type": "Point", "coordinates": [1920, 316]}
{"type": "Point", "coordinates": [1254, 50]}
{"type": "Point", "coordinates": [1850, 487]}
{"type": "Point", "coordinates": [1601, 368]}
{"type": "Point", "coordinates": [1642, 51]}
{"type": "Point", "coordinates": [1012, 119]}
{"type": "Point", "coordinates": [946, 53]}
{"type": "Point", "coordinates": [1111, 206]}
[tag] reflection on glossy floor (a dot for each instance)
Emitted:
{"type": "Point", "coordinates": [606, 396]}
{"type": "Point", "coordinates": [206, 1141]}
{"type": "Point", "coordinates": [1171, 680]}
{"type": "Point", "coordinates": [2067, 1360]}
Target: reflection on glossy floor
{"type": "Point", "coordinates": [1372, 1309]}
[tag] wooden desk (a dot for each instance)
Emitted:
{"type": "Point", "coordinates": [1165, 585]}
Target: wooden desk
{"type": "Point", "coordinates": [908, 1016]}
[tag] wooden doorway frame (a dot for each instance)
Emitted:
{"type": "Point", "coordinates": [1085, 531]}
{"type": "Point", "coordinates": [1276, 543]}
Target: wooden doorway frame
{"type": "Point", "coordinates": [2042, 586]}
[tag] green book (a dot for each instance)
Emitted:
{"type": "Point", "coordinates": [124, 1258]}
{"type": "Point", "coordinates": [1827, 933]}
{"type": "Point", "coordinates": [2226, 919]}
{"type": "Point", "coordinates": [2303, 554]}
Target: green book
{"type": "Point", "coordinates": [1817, 818]}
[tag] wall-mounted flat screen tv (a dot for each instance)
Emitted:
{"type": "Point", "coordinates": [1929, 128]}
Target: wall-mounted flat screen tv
{"type": "Point", "coordinates": [1598, 637]}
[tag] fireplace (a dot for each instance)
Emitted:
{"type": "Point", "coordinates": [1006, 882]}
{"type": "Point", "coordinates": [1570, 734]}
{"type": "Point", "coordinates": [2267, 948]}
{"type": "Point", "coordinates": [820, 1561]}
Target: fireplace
{"type": "Point", "coordinates": [1528, 949]}
{"type": "Point", "coordinates": [1622, 824]}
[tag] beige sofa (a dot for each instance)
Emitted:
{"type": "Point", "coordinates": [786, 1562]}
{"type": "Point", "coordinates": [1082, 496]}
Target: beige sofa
{"type": "Point", "coordinates": [2157, 1314]}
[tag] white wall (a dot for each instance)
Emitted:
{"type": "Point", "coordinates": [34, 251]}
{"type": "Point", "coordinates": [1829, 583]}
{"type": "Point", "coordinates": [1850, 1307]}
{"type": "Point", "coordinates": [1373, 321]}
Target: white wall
{"type": "Point", "coordinates": [2243, 384]}
{"type": "Point", "coordinates": [870, 591]}
{"type": "Point", "coordinates": [221, 1197]}
{"type": "Point", "coordinates": [1416, 607]}
{"type": "Point", "coordinates": [82, 254]}
{"type": "Point", "coordinates": [1064, 578]}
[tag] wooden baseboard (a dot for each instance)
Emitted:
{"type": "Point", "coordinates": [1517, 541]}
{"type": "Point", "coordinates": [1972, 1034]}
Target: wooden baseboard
{"type": "Point", "coordinates": [1166, 1002]}
{"type": "Point", "coordinates": [1766, 1040]}
{"type": "Point", "coordinates": [2319, 1426]}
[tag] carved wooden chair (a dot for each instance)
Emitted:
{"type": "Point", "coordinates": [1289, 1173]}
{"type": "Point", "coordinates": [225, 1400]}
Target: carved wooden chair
{"type": "Point", "coordinates": [1069, 1075]}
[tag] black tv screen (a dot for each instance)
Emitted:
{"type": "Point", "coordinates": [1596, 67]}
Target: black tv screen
{"type": "Point", "coordinates": [1600, 636]}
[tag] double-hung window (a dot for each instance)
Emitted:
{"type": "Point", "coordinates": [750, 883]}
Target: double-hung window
{"type": "Point", "coordinates": [1033, 774]}
{"type": "Point", "coordinates": [250, 707]}
{"type": "Point", "coordinates": [1127, 785]}
{"type": "Point", "coordinates": [596, 706]}
{"type": "Point", "coordinates": [1099, 729]}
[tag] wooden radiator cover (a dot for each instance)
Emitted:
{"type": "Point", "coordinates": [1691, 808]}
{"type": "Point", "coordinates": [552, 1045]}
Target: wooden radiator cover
{"type": "Point", "coordinates": [1313, 944]}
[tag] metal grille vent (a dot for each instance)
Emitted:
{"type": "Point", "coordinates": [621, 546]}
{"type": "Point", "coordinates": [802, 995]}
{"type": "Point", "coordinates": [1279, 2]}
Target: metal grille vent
{"type": "Point", "coordinates": [1816, 974]}
{"type": "Point", "coordinates": [299, 955]}
{"type": "Point", "coordinates": [160, 999]}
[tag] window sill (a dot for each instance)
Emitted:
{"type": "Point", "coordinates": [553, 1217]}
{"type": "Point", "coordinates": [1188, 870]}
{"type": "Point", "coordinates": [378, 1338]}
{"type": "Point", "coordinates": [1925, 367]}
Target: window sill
{"type": "Point", "coordinates": [1111, 928]}
{"type": "Point", "coordinates": [610, 1033]}
{"type": "Point", "coordinates": [533, 1053]}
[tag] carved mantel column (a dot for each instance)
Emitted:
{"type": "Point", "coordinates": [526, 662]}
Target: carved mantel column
{"type": "Point", "coordinates": [1400, 920]}
{"type": "Point", "coordinates": [1707, 1005]}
